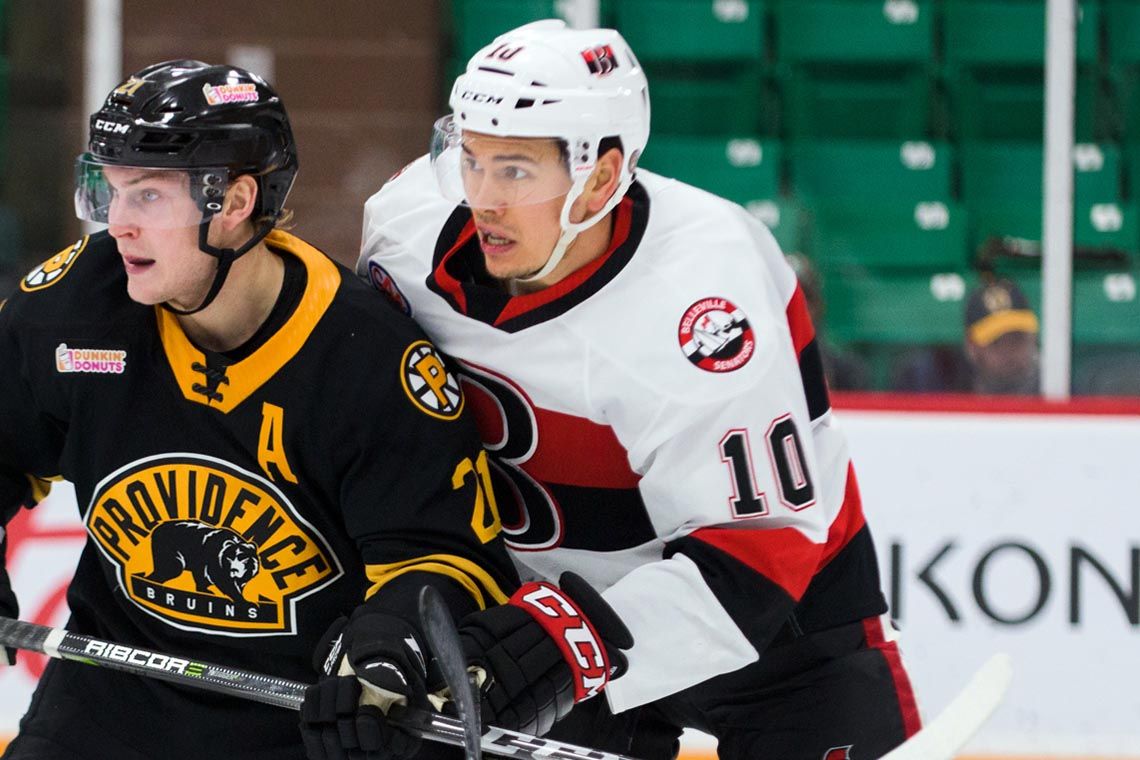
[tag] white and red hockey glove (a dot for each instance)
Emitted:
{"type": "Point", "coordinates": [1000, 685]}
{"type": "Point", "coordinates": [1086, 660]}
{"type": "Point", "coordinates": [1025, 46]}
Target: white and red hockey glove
{"type": "Point", "coordinates": [546, 649]}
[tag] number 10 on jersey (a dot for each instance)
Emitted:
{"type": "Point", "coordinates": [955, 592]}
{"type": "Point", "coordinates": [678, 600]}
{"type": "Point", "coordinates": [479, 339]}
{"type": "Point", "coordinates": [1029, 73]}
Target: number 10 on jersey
{"type": "Point", "coordinates": [786, 455]}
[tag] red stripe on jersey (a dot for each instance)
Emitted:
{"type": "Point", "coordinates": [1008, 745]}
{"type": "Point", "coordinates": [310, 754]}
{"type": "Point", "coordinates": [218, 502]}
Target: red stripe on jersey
{"type": "Point", "coordinates": [799, 320]}
{"type": "Point", "coordinates": [908, 705]}
{"type": "Point", "coordinates": [848, 522]}
{"type": "Point", "coordinates": [786, 556]}
{"type": "Point", "coordinates": [443, 278]}
{"type": "Point", "coordinates": [576, 452]}
{"type": "Point", "coordinates": [530, 301]}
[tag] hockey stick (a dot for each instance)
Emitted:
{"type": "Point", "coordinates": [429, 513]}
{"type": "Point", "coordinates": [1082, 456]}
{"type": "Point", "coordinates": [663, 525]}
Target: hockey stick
{"type": "Point", "coordinates": [952, 728]}
{"type": "Point", "coordinates": [443, 640]}
{"type": "Point", "coordinates": [64, 645]}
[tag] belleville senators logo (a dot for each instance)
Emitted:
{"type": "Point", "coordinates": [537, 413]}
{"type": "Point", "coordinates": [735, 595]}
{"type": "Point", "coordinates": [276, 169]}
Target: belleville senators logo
{"type": "Point", "coordinates": [206, 546]}
{"type": "Point", "coordinates": [715, 335]}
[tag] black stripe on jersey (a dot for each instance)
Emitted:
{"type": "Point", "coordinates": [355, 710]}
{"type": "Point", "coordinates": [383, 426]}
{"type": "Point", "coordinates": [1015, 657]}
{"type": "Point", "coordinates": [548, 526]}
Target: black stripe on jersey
{"type": "Point", "coordinates": [814, 380]}
{"type": "Point", "coordinates": [602, 519]}
{"type": "Point", "coordinates": [846, 589]}
{"type": "Point", "coordinates": [757, 605]}
{"type": "Point", "coordinates": [485, 298]}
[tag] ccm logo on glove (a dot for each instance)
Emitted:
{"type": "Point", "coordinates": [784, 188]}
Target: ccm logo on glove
{"type": "Point", "coordinates": [575, 636]}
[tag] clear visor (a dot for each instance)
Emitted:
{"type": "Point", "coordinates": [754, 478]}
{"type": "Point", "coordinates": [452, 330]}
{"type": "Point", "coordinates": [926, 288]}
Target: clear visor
{"type": "Point", "coordinates": [146, 197]}
{"type": "Point", "coordinates": [487, 171]}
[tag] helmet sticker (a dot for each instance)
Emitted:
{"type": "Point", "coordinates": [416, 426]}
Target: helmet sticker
{"type": "Point", "coordinates": [715, 335]}
{"type": "Point", "coordinates": [128, 87]}
{"type": "Point", "coordinates": [219, 94]}
{"type": "Point", "coordinates": [600, 59]}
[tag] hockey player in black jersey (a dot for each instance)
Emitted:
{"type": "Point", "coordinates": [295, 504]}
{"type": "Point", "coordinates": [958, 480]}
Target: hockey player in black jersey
{"type": "Point", "coordinates": [646, 376]}
{"type": "Point", "coordinates": [258, 444]}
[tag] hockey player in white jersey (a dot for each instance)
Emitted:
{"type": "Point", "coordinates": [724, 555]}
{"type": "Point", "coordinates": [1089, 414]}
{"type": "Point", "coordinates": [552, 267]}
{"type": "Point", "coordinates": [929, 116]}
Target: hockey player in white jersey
{"type": "Point", "coordinates": [647, 381]}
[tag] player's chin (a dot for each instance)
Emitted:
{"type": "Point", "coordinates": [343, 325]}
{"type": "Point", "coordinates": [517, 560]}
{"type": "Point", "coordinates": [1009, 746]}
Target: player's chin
{"type": "Point", "coordinates": [142, 292]}
{"type": "Point", "coordinates": [506, 269]}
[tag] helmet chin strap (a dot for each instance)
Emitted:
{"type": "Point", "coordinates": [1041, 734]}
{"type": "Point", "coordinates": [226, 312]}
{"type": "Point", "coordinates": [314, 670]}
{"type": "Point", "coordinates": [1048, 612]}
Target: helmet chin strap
{"type": "Point", "coordinates": [225, 256]}
{"type": "Point", "coordinates": [571, 230]}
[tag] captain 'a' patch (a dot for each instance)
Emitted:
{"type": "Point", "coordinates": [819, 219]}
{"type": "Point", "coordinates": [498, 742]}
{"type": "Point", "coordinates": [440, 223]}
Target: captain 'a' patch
{"type": "Point", "coordinates": [206, 546]}
{"type": "Point", "coordinates": [715, 335]}
{"type": "Point", "coordinates": [52, 271]}
{"type": "Point", "coordinates": [431, 387]}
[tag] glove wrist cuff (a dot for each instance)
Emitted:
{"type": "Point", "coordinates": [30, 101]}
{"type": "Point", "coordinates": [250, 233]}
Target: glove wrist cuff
{"type": "Point", "coordinates": [572, 632]}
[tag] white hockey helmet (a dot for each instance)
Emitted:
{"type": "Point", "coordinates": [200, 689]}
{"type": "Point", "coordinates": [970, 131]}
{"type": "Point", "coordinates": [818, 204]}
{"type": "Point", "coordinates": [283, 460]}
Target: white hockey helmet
{"type": "Point", "coordinates": [546, 80]}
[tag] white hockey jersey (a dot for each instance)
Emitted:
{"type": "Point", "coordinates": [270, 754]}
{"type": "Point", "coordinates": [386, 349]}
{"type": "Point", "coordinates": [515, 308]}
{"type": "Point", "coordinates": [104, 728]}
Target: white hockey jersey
{"type": "Point", "coordinates": [658, 422]}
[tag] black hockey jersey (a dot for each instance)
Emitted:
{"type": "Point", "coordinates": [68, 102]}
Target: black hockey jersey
{"type": "Point", "coordinates": [235, 506]}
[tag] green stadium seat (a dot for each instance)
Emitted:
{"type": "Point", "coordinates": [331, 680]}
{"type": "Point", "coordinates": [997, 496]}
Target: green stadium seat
{"type": "Point", "coordinates": [477, 22]}
{"type": "Point", "coordinates": [994, 70]}
{"type": "Point", "coordinates": [855, 68]}
{"type": "Point", "coordinates": [854, 31]}
{"type": "Point", "coordinates": [852, 102]}
{"type": "Point", "coordinates": [857, 170]}
{"type": "Point", "coordinates": [1010, 105]}
{"type": "Point", "coordinates": [1106, 304]}
{"type": "Point", "coordinates": [889, 234]}
{"type": "Point", "coordinates": [704, 31]}
{"type": "Point", "coordinates": [995, 171]}
{"type": "Point", "coordinates": [705, 64]}
{"type": "Point", "coordinates": [786, 218]}
{"type": "Point", "coordinates": [1003, 33]}
{"type": "Point", "coordinates": [688, 101]}
{"type": "Point", "coordinates": [742, 169]}
{"type": "Point", "coordinates": [885, 307]}
{"type": "Point", "coordinates": [1002, 189]}
{"type": "Point", "coordinates": [1122, 23]}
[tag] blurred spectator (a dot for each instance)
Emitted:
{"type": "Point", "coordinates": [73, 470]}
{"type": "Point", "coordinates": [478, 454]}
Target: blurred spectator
{"type": "Point", "coordinates": [999, 353]}
{"type": "Point", "coordinates": [845, 371]}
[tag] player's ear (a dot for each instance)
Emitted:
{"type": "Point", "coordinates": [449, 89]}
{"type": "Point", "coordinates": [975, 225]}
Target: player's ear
{"type": "Point", "coordinates": [240, 201]}
{"type": "Point", "coordinates": [601, 185]}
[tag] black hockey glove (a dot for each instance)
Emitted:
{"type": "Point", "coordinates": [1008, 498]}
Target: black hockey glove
{"type": "Point", "coordinates": [369, 662]}
{"type": "Point", "coordinates": [543, 651]}
{"type": "Point", "coordinates": [8, 606]}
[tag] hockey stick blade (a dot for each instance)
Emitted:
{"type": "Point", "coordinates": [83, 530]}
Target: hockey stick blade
{"type": "Point", "coordinates": [944, 736]}
{"type": "Point", "coordinates": [443, 640]}
{"type": "Point", "coordinates": [61, 644]}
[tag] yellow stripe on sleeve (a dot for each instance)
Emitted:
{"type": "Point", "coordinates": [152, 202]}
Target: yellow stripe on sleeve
{"type": "Point", "coordinates": [468, 574]}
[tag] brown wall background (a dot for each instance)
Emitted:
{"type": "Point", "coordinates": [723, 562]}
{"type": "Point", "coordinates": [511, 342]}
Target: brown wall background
{"type": "Point", "coordinates": [360, 78]}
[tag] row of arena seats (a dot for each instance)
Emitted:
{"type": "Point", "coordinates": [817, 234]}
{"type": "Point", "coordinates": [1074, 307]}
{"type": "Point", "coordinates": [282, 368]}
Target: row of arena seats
{"type": "Point", "coordinates": [899, 231]}
{"type": "Point", "coordinates": [951, 69]}
{"type": "Point", "coordinates": [906, 204]}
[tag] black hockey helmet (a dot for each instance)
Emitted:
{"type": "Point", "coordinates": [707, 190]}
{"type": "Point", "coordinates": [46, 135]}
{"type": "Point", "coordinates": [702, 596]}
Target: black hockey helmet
{"type": "Point", "coordinates": [191, 115]}
{"type": "Point", "coordinates": [214, 122]}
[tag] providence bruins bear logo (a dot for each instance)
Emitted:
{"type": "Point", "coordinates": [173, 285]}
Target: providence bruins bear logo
{"type": "Point", "coordinates": [216, 557]}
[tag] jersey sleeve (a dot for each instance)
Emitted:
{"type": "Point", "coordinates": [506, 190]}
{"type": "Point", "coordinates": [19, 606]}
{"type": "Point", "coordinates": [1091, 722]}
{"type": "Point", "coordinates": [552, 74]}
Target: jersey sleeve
{"type": "Point", "coordinates": [418, 497]}
{"type": "Point", "coordinates": [30, 439]}
{"type": "Point", "coordinates": [753, 473]}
